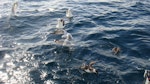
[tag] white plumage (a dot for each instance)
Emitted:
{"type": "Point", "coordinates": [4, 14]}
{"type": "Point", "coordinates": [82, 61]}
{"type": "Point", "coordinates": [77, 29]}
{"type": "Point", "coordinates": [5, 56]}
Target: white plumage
{"type": "Point", "coordinates": [60, 23]}
{"type": "Point", "coordinates": [147, 76]}
{"type": "Point", "coordinates": [69, 13]}
{"type": "Point", "coordinates": [14, 8]}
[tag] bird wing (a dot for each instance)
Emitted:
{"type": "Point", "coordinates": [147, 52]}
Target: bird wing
{"type": "Point", "coordinates": [92, 63]}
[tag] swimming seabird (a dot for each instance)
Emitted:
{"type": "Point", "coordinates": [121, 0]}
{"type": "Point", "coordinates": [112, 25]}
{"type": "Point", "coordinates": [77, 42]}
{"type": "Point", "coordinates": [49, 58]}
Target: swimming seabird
{"type": "Point", "coordinates": [60, 23]}
{"type": "Point", "coordinates": [116, 50]}
{"type": "Point", "coordinates": [89, 68]}
{"type": "Point", "coordinates": [66, 39]}
{"type": "Point", "coordinates": [14, 8]}
{"type": "Point", "coordinates": [147, 76]}
{"type": "Point", "coordinates": [67, 36]}
{"type": "Point", "coordinates": [69, 13]}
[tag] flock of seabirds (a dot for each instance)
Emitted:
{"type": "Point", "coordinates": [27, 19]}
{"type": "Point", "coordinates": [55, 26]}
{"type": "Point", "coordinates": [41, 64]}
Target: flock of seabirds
{"type": "Point", "coordinates": [67, 38]}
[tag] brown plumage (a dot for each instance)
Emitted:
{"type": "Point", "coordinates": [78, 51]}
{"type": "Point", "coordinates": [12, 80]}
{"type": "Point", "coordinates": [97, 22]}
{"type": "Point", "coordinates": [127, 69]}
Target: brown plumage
{"type": "Point", "coordinates": [89, 68]}
{"type": "Point", "coordinates": [63, 22]}
{"type": "Point", "coordinates": [116, 50]}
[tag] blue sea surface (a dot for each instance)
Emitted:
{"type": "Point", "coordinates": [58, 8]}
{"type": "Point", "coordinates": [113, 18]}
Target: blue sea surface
{"type": "Point", "coordinates": [29, 55]}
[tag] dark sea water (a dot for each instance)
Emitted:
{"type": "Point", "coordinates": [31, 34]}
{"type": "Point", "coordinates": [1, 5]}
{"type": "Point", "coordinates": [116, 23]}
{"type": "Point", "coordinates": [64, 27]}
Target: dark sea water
{"type": "Point", "coordinates": [28, 54]}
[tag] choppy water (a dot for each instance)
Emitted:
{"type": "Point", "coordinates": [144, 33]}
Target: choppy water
{"type": "Point", "coordinates": [29, 55]}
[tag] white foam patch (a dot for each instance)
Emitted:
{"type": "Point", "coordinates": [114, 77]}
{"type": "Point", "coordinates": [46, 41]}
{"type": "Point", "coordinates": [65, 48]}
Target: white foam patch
{"type": "Point", "coordinates": [3, 76]}
{"type": "Point", "coordinates": [43, 74]}
{"type": "Point", "coordinates": [7, 56]}
{"type": "Point", "coordinates": [140, 61]}
{"type": "Point", "coordinates": [116, 28]}
{"type": "Point", "coordinates": [110, 36]}
{"type": "Point", "coordinates": [11, 64]}
{"type": "Point", "coordinates": [47, 61]}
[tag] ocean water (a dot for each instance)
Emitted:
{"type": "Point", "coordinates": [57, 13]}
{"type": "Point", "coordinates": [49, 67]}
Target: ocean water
{"type": "Point", "coordinates": [29, 55]}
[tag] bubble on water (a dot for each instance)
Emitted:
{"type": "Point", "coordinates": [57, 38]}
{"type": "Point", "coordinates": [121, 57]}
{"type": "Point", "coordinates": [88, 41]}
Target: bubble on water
{"type": "Point", "coordinates": [32, 57]}
{"type": "Point", "coordinates": [117, 81]}
{"type": "Point", "coordinates": [36, 64]}
{"type": "Point", "coordinates": [55, 52]}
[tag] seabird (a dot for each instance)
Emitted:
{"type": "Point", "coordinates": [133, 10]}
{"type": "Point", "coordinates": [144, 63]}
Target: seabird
{"type": "Point", "coordinates": [147, 76]}
{"type": "Point", "coordinates": [66, 39]}
{"type": "Point", "coordinates": [14, 8]}
{"type": "Point", "coordinates": [60, 23]}
{"type": "Point", "coordinates": [69, 13]}
{"type": "Point", "coordinates": [89, 68]}
{"type": "Point", "coordinates": [67, 36]}
{"type": "Point", "coordinates": [116, 50]}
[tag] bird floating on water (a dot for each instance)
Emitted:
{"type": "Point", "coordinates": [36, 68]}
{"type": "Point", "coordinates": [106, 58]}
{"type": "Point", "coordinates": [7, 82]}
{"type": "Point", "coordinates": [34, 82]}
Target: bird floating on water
{"type": "Point", "coordinates": [69, 14]}
{"type": "Point", "coordinates": [147, 76]}
{"type": "Point", "coordinates": [89, 68]}
{"type": "Point", "coordinates": [116, 50]}
{"type": "Point", "coordinates": [60, 23]}
{"type": "Point", "coordinates": [66, 39]}
{"type": "Point", "coordinates": [67, 36]}
{"type": "Point", "coordinates": [14, 8]}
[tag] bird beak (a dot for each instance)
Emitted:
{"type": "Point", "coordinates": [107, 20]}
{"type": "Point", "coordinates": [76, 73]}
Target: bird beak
{"type": "Point", "coordinates": [96, 72]}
